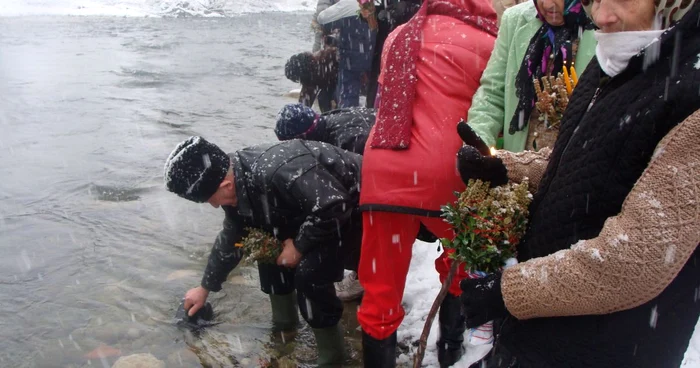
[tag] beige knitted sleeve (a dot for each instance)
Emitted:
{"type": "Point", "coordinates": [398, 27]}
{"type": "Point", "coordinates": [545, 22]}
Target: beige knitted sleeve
{"type": "Point", "coordinates": [526, 164]}
{"type": "Point", "coordinates": [638, 252]}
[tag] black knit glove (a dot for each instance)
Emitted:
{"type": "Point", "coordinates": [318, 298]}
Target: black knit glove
{"type": "Point", "coordinates": [482, 299]}
{"type": "Point", "coordinates": [474, 160]}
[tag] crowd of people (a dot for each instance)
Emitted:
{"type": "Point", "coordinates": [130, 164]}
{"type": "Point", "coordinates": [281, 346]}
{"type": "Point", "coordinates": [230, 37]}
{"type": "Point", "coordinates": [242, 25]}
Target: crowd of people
{"type": "Point", "coordinates": [595, 102]}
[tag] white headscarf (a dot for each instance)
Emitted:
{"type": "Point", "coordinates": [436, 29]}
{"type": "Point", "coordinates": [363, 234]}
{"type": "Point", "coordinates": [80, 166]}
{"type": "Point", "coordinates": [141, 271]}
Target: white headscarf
{"type": "Point", "coordinates": [614, 50]}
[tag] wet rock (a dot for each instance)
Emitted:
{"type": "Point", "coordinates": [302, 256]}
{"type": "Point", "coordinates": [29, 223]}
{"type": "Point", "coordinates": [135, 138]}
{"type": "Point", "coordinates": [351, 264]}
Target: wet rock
{"type": "Point", "coordinates": [238, 280]}
{"type": "Point", "coordinates": [183, 358]}
{"type": "Point", "coordinates": [181, 274]}
{"type": "Point", "coordinates": [103, 351]}
{"type": "Point", "coordinates": [286, 362]}
{"type": "Point", "coordinates": [54, 355]}
{"type": "Point", "coordinates": [110, 333]}
{"type": "Point", "coordinates": [139, 361]}
{"type": "Point", "coordinates": [133, 333]}
{"type": "Point", "coordinates": [293, 93]}
{"type": "Point", "coordinates": [151, 339]}
{"type": "Point", "coordinates": [200, 320]}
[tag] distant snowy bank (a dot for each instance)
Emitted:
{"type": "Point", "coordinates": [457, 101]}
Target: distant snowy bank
{"type": "Point", "coordinates": [150, 8]}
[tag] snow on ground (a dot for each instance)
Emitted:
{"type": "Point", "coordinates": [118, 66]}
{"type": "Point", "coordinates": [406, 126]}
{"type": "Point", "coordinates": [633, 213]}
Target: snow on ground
{"type": "Point", "coordinates": [422, 286]}
{"type": "Point", "coordinates": [692, 355]}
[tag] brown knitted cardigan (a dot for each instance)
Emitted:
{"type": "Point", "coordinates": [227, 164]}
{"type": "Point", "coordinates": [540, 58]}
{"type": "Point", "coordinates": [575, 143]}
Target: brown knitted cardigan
{"type": "Point", "coordinates": [638, 252]}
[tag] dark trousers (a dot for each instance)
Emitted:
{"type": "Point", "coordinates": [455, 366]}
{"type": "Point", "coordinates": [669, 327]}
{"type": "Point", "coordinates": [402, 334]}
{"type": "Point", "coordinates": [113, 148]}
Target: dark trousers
{"type": "Point", "coordinates": [373, 82]}
{"type": "Point", "coordinates": [325, 98]}
{"type": "Point", "coordinates": [314, 276]}
{"type": "Point", "coordinates": [348, 90]}
{"type": "Point", "coordinates": [498, 357]}
{"type": "Point", "coordinates": [325, 95]}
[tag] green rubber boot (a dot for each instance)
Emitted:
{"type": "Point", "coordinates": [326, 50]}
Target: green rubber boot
{"type": "Point", "coordinates": [284, 311]}
{"type": "Point", "coordinates": [330, 346]}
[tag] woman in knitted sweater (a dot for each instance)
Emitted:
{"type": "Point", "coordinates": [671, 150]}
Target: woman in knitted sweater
{"type": "Point", "coordinates": [609, 265]}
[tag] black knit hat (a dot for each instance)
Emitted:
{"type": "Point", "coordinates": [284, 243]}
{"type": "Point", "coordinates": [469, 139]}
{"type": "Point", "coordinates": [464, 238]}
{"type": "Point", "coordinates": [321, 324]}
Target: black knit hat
{"type": "Point", "coordinates": [195, 169]}
{"type": "Point", "coordinates": [293, 121]}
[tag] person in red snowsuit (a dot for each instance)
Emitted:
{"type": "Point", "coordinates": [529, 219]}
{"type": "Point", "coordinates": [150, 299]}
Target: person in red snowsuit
{"type": "Point", "coordinates": [431, 68]}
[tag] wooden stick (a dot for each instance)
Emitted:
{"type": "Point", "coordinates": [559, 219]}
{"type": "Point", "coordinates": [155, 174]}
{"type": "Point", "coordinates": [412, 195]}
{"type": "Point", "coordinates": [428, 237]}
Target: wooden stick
{"type": "Point", "coordinates": [423, 341]}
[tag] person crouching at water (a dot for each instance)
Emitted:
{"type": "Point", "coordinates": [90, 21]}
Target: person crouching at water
{"type": "Point", "coordinates": [345, 128]}
{"type": "Point", "coordinates": [306, 194]}
{"type": "Point", "coordinates": [318, 74]}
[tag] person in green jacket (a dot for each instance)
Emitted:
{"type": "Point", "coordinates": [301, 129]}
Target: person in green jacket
{"type": "Point", "coordinates": [535, 40]}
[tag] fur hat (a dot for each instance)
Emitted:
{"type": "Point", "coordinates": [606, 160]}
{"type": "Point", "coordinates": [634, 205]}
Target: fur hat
{"type": "Point", "coordinates": [195, 169]}
{"type": "Point", "coordinates": [299, 68]}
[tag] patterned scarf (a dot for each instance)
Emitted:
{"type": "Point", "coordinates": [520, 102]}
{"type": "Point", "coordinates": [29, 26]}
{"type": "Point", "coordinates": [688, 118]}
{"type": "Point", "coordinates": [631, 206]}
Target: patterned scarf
{"type": "Point", "coordinates": [547, 41]}
{"type": "Point", "coordinates": [395, 116]}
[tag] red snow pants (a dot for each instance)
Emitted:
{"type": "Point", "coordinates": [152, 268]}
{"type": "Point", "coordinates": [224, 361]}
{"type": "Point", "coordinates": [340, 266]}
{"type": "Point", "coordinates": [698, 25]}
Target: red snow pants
{"type": "Point", "coordinates": [387, 245]}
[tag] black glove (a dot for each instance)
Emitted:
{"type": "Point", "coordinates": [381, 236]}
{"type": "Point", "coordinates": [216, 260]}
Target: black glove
{"type": "Point", "coordinates": [201, 319]}
{"type": "Point", "coordinates": [482, 299]}
{"type": "Point", "coordinates": [474, 160]}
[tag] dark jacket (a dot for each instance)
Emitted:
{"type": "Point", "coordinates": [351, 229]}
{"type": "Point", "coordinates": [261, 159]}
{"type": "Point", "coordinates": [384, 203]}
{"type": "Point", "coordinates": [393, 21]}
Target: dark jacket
{"type": "Point", "coordinates": [607, 137]}
{"type": "Point", "coordinates": [308, 191]}
{"type": "Point", "coordinates": [345, 128]}
{"type": "Point", "coordinates": [396, 13]}
{"type": "Point", "coordinates": [355, 44]}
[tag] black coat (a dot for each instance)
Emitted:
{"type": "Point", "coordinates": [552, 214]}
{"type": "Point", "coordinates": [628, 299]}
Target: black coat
{"type": "Point", "coordinates": [345, 128]}
{"type": "Point", "coordinates": [607, 137]}
{"type": "Point", "coordinates": [305, 190]}
{"type": "Point", "coordinates": [356, 43]}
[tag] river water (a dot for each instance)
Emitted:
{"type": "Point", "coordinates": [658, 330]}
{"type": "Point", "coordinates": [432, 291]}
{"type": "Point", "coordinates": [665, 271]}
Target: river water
{"type": "Point", "coordinates": [94, 254]}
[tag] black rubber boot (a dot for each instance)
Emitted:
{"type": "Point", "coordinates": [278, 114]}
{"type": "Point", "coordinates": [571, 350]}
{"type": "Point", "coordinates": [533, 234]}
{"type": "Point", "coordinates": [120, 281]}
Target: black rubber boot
{"type": "Point", "coordinates": [452, 327]}
{"type": "Point", "coordinates": [379, 353]}
{"type": "Point", "coordinates": [330, 346]}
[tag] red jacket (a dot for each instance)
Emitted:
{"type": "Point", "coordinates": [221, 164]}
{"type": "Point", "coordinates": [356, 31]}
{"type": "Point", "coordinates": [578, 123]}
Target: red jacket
{"type": "Point", "coordinates": [424, 176]}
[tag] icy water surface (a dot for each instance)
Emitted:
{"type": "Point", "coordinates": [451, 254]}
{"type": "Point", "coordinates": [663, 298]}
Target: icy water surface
{"type": "Point", "coordinates": [94, 253]}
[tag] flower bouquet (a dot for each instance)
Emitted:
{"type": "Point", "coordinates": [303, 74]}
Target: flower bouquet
{"type": "Point", "coordinates": [368, 12]}
{"type": "Point", "coordinates": [488, 224]}
{"type": "Point", "coordinates": [260, 246]}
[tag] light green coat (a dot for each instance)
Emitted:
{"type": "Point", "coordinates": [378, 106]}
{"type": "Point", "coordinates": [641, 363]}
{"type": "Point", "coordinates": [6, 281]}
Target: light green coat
{"type": "Point", "coordinates": [494, 103]}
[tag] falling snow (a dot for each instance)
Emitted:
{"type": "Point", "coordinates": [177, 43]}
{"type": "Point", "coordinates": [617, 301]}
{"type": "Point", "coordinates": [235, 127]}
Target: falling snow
{"type": "Point", "coordinates": [653, 317]}
{"type": "Point", "coordinates": [595, 254]}
{"type": "Point", "coordinates": [670, 254]}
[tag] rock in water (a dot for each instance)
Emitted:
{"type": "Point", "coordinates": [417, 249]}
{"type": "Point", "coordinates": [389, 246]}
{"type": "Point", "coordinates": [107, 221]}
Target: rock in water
{"type": "Point", "coordinates": [180, 274]}
{"type": "Point", "coordinates": [183, 358]}
{"type": "Point", "coordinates": [201, 319]}
{"type": "Point", "coordinates": [139, 361]}
{"type": "Point", "coordinates": [293, 93]}
{"type": "Point", "coordinates": [102, 351]}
